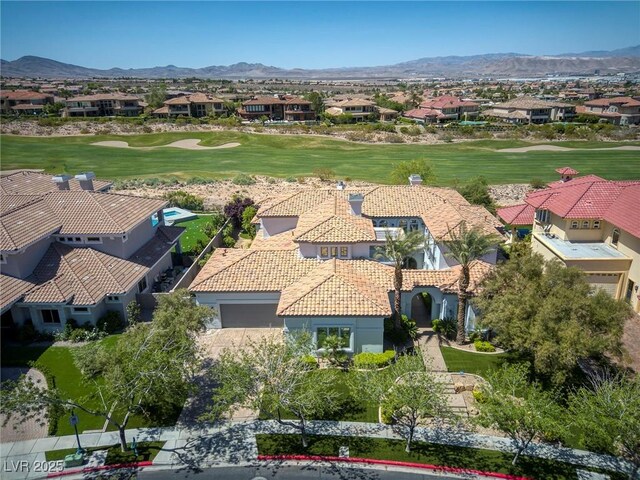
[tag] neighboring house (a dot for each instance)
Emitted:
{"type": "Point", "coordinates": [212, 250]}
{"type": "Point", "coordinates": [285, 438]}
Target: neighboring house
{"type": "Point", "coordinates": [286, 108]}
{"type": "Point", "coordinates": [359, 108]}
{"type": "Point", "coordinates": [618, 110]}
{"type": "Point", "coordinates": [70, 250]}
{"type": "Point", "coordinates": [593, 224]}
{"type": "Point", "coordinates": [518, 220]}
{"type": "Point", "coordinates": [103, 105]}
{"type": "Point", "coordinates": [531, 110]}
{"type": "Point", "coordinates": [24, 102]}
{"type": "Point", "coordinates": [193, 105]}
{"type": "Point", "coordinates": [444, 109]}
{"type": "Point", "coordinates": [313, 263]}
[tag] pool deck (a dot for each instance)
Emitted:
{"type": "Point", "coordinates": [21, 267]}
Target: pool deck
{"type": "Point", "coordinates": [173, 215]}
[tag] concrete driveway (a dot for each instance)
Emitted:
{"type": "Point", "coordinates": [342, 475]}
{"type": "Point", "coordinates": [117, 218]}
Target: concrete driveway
{"type": "Point", "coordinates": [214, 341]}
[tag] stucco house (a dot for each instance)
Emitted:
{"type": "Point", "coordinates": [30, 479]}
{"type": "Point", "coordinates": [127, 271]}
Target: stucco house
{"type": "Point", "coordinates": [312, 266]}
{"type": "Point", "coordinates": [593, 224]}
{"type": "Point", "coordinates": [69, 249]}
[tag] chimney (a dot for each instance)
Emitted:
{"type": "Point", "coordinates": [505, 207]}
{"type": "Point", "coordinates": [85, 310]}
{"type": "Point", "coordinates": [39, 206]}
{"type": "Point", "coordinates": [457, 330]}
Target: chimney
{"type": "Point", "coordinates": [86, 180]}
{"type": "Point", "coordinates": [62, 181]}
{"type": "Point", "coordinates": [355, 202]}
{"type": "Point", "coordinates": [415, 179]}
{"type": "Point", "coordinates": [340, 185]}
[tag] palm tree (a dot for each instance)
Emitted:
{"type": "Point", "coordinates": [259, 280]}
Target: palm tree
{"type": "Point", "coordinates": [465, 246]}
{"type": "Point", "coordinates": [397, 250]}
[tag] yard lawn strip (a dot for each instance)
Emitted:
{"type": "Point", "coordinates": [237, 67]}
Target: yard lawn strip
{"type": "Point", "coordinates": [194, 232]}
{"type": "Point", "coordinates": [471, 362]}
{"type": "Point", "coordinates": [299, 155]}
{"type": "Point", "coordinates": [147, 451]}
{"type": "Point", "coordinates": [425, 453]}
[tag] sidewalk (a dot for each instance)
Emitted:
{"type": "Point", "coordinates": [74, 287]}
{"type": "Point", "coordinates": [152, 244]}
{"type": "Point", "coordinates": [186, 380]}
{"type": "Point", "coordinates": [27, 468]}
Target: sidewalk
{"type": "Point", "coordinates": [235, 444]}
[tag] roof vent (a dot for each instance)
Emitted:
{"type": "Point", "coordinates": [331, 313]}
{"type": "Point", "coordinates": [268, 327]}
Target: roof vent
{"type": "Point", "coordinates": [86, 180]}
{"type": "Point", "coordinates": [415, 179]}
{"type": "Point", "coordinates": [62, 181]}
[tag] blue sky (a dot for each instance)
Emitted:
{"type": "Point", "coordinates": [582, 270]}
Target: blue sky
{"type": "Point", "coordinates": [306, 34]}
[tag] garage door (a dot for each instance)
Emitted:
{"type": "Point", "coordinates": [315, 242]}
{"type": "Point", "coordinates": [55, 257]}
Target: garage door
{"type": "Point", "coordinates": [605, 281]}
{"type": "Point", "coordinates": [261, 315]}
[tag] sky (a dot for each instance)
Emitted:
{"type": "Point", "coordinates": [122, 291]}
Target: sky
{"type": "Point", "coordinates": [306, 34]}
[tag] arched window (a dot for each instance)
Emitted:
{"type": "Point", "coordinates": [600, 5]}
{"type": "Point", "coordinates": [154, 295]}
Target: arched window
{"type": "Point", "coordinates": [383, 223]}
{"type": "Point", "coordinates": [410, 263]}
{"type": "Point", "coordinates": [615, 236]}
{"type": "Point", "coordinates": [403, 225]}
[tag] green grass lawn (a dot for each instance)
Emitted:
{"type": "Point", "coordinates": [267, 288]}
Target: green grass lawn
{"type": "Point", "coordinates": [291, 155]}
{"type": "Point", "coordinates": [147, 451]}
{"type": "Point", "coordinates": [194, 233]}
{"type": "Point", "coordinates": [63, 374]}
{"type": "Point", "coordinates": [471, 362]}
{"type": "Point", "coordinates": [427, 453]}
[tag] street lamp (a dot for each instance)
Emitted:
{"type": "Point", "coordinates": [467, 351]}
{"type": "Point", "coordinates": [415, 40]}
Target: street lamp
{"type": "Point", "coordinates": [73, 420]}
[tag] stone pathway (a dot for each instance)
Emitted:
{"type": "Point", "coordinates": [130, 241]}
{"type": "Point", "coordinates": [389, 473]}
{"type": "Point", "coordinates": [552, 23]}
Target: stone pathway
{"type": "Point", "coordinates": [33, 428]}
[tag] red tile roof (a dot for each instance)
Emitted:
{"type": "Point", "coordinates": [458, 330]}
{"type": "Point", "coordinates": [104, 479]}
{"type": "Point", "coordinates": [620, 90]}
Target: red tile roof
{"type": "Point", "coordinates": [24, 95]}
{"type": "Point", "coordinates": [605, 102]}
{"type": "Point", "coordinates": [447, 101]}
{"type": "Point", "coordinates": [567, 171]}
{"type": "Point", "coordinates": [517, 215]}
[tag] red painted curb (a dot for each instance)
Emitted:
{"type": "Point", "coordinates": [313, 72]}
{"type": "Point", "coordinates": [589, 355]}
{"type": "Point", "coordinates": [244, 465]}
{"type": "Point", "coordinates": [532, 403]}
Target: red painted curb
{"type": "Point", "coordinates": [394, 463]}
{"type": "Point", "coordinates": [100, 468]}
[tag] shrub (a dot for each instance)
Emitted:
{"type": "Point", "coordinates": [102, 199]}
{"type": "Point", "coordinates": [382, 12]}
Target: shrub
{"type": "Point", "coordinates": [397, 337]}
{"type": "Point", "coordinates": [386, 413]}
{"type": "Point", "coordinates": [184, 199]}
{"type": "Point", "coordinates": [478, 395]}
{"type": "Point", "coordinates": [324, 174]}
{"type": "Point", "coordinates": [77, 335]}
{"type": "Point", "coordinates": [537, 183]}
{"type": "Point", "coordinates": [291, 179]}
{"type": "Point", "coordinates": [243, 179]}
{"type": "Point", "coordinates": [247, 217]}
{"type": "Point", "coordinates": [310, 361]}
{"type": "Point", "coordinates": [410, 327]}
{"type": "Point", "coordinates": [235, 208]}
{"type": "Point", "coordinates": [110, 322]}
{"type": "Point", "coordinates": [134, 312]}
{"type": "Point", "coordinates": [27, 333]}
{"type": "Point", "coordinates": [447, 327]}
{"type": "Point", "coordinates": [228, 241]}
{"type": "Point", "coordinates": [483, 346]}
{"type": "Point", "coordinates": [373, 360]}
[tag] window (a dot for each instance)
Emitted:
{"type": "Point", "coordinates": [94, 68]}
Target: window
{"type": "Point", "coordinates": [50, 316]}
{"type": "Point", "coordinates": [334, 252]}
{"type": "Point", "coordinates": [94, 240]}
{"type": "Point", "coordinates": [324, 252]}
{"type": "Point", "coordinates": [344, 252]}
{"type": "Point", "coordinates": [3, 259]}
{"type": "Point", "coordinates": [586, 224]}
{"type": "Point", "coordinates": [113, 298]}
{"type": "Point", "coordinates": [413, 225]}
{"type": "Point", "coordinates": [78, 239]}
{"type": "Point", "coordinates": [383, 224]}
{"type": "Point", "coordinates": [403, 225]}
{"type": "Point", "coordinates": [344, 333]}
{"type": "Point", "coordinates": [142, 285]}
{"type": "Point", "coordinates": [615, 237]}
{"type": "Point", "coordinates": [81, 310]}
{"type": "Point", "coordinates": [574, 224]}
{"type": "Point", "coordinates": [596, 224]}
{"type": "Point", "coordinates": [542, 216]}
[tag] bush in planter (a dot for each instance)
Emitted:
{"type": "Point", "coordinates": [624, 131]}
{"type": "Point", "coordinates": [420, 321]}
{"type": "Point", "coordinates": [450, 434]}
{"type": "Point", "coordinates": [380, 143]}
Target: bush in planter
{"type": "Point", "coordinates": [447, 327]}
{"type": "Point", "coordinates": [310, 361]}
{"type": "Point", "coordinates": [373, 360]}
{"type": "Point", "coordinates": [483, 346]}
{"type": "Point", "coordinates": [110, 322]}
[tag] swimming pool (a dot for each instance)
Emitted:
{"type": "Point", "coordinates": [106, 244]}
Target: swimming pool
{"type": "Point", "coordinates": [173, 215]}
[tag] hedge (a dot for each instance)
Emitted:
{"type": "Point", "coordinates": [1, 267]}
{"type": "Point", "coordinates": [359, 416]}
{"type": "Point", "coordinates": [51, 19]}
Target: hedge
{"type": "Point", "coordinates": [373, 360]}
{"type": "Point", "coordinates": [483, 346]}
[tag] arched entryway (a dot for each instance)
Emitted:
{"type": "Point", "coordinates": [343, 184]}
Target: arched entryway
{"type": "Point", "coordinates": [421, 304]}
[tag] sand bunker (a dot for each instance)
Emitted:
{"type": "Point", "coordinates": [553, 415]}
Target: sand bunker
{"type": "Point", "coordinates": [557, 148]}
{"type": "Point", "coordinates": [187, 144]}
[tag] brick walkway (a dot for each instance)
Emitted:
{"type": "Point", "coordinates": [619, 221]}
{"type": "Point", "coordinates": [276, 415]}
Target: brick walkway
{"type": "Point", "coordinates": [37, 427]}
{"type": "Point", "coordinates": [631, 340]}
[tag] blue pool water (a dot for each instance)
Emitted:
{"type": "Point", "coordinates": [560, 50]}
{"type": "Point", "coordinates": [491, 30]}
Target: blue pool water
{"type": "Point", "coordinates": [171, 213]}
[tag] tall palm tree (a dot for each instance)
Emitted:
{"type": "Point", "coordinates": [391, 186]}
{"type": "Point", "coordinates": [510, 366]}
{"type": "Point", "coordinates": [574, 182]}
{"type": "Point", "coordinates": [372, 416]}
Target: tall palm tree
{"type": "Point", "coordinates": [397, 250]}
{"type": "Point", "coordinates": [465, 246]}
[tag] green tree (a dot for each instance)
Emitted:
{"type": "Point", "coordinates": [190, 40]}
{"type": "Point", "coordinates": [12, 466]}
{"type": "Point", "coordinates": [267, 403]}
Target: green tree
{"type": "Point", "coordinates": [247, 216]}
{"type": "Point", "coordinates": [182, 199]}
{"type": "Point", "coordinates": [550, 313]}
{"type": "Point", "coordinates": [521, 410]}
{"type": "Point", "coordinates": [151, 366]}
{"type": "Point", "coordinates": [273, 377]}
{"type": "Point", "coordinates": [466, 245]}
{"type": "Point", "coordinates": [476, 191]}
{"type": "Point", "coordinates": [53, 108]}
{"type": "Point", "coordinates": [396, 250]}
{"type": "Point", "coordinates": [134, 313]}
{"type": "Point", "coordinates": [608, 415]}
{"type": "Point", "coordinates": [317, 102]}
{"type": "Point", "coordinates": [402, 170]}
{"type": "Point", "coordinates": [157, 95]}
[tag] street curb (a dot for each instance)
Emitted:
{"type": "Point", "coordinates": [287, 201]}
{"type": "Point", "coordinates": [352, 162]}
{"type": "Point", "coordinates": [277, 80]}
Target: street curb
{"type": "Point", "coordinates": [116, 466]}
{"type": "Point", "coordinates": [394, 463]}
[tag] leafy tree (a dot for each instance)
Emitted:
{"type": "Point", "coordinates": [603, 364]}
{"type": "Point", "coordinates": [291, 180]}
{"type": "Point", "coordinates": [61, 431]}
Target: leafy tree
{"type": "Point", "coordinates": [402, 170]}
{"type": "Point", "coordinates": [235, 208]}
{"type": "Point", "coordinates": [476, 191]}
{"type": "Point", "coordinates": [317, 103]}
{"type": "Point", "coordinates": [134, 313]}
{"type": "Point", "coordinates": [275, 378]}
{"type": "Point", "coordinates": [151, 366]}
{"type": "Point", "coordinates": [608, 415]}
{"type": "Point", "coordinates": [53, 108]}
{"type": "Point", "coordinates": [247, 216]}
{"type": "Point", "coordinates": [182, 199]}
{"type": "Point", "coordinates": [396, 250]}
{"type": "Point", "coordinates": [157, 95]}
{"type": "Point", "coordinates": [550, 313]}
{"type": "Point", "coordinates": [465, 246]}
{"type": "Point", "coordinates": [522, 410]}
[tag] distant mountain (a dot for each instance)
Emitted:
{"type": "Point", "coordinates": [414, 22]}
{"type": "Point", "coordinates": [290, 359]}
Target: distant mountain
{"type": "Point", "coordinates": [625, 60]}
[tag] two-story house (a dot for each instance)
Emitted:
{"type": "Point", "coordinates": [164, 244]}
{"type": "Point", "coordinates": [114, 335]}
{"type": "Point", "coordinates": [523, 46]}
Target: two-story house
{"type": "Point", "coordinates": [192, 105]}
{"type": "Point", "coordinates": [314, 265]}
{"type": "Point", "coordinates": [531, 110]}
{"type": "Point", "coordinates": [103, 105]}
{"type": "Point", "coordinates": [69, 249]}
{"type": "Point", "coordinates": [617, 110]}
{"type": "Point", "coordinates": [360, 109]}
{"type": "Point", "coordinates": [593, 224]}
{"type": "Point", "coordinates": [286, 108]}
{"type": "Point", "coordinates": [444, 109]}
{"type": "Point", "coordinates": [24, 102]}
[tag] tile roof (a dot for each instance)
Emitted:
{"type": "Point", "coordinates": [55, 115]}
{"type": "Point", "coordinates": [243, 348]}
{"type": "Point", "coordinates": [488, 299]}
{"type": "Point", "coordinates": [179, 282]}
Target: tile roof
{"type": "Point", "coordinates": [177, 101]}
{"type": "Point", "coordinates": [36, 183]}
{"type": "Point", "coordinates": [280, 241]}
{"type": "Point", "coordinates": [517, 215]}
{"type": "Point", "coordinates": [442, 219]}
{"type": "Point", "coordinates": [24, 95]}
{"type": "Point", "coordinates": [624, 212]}
{"type": "Point", "coordinates": [421, 113]}
{"type": "Point", "coordinates": [447, 101]}
{"type": "Point", "coordinates": [102, 97]}
{"type": "Point", "coordinates": [251, 270]}
{"type": "Point", "coordinates": [605, 102]}
{"type": "Point", "coordinates": [26, 224]}
{"type": "Point", "coordinates": [13, 289]}
{"type": "Point", "coordinates": [27, 106]}
{"type": "Point", "coordinates": [335, 288]}
{"type": "Point", "coordinates": [332, 222]}
{"type": "Point", "coordinates": [529, 103]}
{"type": "Point", "coordinates": [567, 171]}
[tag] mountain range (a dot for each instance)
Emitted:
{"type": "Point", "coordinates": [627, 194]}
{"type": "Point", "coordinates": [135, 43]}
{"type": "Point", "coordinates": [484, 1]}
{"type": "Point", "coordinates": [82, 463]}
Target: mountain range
{"type": "Point", "coordinates": [625, 60]}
